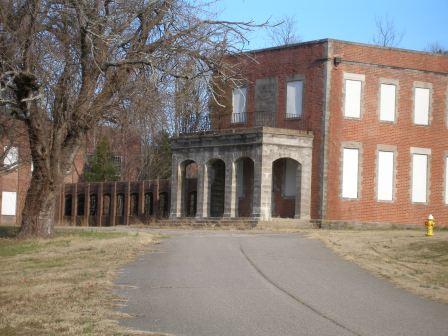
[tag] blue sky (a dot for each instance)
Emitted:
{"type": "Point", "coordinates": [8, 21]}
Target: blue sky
{"type": "Point", "coordinates": [421, 21]}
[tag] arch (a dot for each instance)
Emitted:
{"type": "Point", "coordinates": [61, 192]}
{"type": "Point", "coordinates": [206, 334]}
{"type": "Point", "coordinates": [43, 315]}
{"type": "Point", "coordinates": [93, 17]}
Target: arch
{"type": "Point", "coordinates": [120, 205]}
{"type": "Point", "coordinates": [244, 169]}
{"type": "Point", "coordinates": [134, 204]}
{"type": "Point", "coordinates": [216, 187]}
{"type": "Point", "coordinates": [286, 188]}
{"type": "Point", "coordinates": [93, 204]}
{"type": "Point", "coordinates": [163, 204]}
{"type": "Point", "coordinates": [189, 187]}
{"type": "Point", "coordinates": [106, 204]}
{"type": "Point", "coordinates": [80, 201]}
{"type": "Point", "coordinates": [148, 206]}
{"type": "Point", "coordinates": [68, 203]}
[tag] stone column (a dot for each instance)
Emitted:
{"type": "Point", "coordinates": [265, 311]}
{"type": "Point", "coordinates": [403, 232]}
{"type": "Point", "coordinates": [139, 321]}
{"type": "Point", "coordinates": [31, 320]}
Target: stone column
{"type": "Point", "coordinates": [262, 188]}
{"type": "Point", "coordinates": [155, 199]}
{"type": "Point", "coordinates": [202, 203]}
{"type": "Point", "coordinates": [230, 190]}
{"type": "Point", "coordinates": [303, 210]}
{"type": "Point", "coordinates": [176, 190]}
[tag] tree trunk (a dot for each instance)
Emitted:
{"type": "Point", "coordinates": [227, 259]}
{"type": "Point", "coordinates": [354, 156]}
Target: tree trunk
{"type": "Point", "coordinates": [39, 209]}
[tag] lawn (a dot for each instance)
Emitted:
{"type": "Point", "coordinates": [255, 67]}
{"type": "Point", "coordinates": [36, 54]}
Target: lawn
{"type": "Point", "coordinates": [406, 257]}
{"type": "Point", "coordinates": [63, 286]}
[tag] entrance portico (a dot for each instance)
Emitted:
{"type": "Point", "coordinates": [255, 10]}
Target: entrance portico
{"type": "Point", "coordinates": [247, 172]}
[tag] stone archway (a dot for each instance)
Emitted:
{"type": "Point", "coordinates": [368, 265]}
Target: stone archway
{"type": "Point", "coordinates": [216, 186]}
{"type": "Point", "coordinates": [286, 188]}
{"type": "Point", "coordinates": [244, 169]}
{"type": "Point", "coordinates": [189, 188]}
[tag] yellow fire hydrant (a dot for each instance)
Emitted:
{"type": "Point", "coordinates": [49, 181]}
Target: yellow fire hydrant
{"type": "Point", "coordinates": [430, 223]}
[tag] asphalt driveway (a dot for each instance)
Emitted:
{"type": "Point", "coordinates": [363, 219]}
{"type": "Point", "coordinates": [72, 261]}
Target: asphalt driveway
{"type": "Point", "coordinates": [231, 283]}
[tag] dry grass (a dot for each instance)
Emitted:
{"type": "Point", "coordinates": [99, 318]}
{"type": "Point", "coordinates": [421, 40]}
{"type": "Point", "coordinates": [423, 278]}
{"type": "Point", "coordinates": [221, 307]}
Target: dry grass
{"type": "Point", "coordinates": [407, 258]}
{"type": "Point", "coordinates": [63, 286]}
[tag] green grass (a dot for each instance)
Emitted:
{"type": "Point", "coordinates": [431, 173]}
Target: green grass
{"type": "Point", "coordinates": [10, 246]}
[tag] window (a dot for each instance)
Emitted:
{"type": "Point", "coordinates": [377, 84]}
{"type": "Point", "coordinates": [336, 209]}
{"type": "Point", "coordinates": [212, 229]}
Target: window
{"type": "Point", "coordinates": [419, 177]}
{"type": "Point", "coordinates": [421, 106]}
{"type": "Point", "coordinates": [239, 105]}
{"type": "Point", "coordinates": [350, 161]}
{"type": "Point", "coordinates": [9, 202]}
{"type": "Point", "coordinates": [387, 102]}
{"type": "Point", "coordinates": [11, 157]}
{"type": "Point", "coordinates": [294, 96]}
{"type": "Point", "coordinates": [385, 178]}
{"type": "Point", "coordinates": [352, 102]}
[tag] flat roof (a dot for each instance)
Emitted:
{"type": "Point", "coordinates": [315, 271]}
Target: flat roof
{"type": "Point", "coordinates": [326, 40]}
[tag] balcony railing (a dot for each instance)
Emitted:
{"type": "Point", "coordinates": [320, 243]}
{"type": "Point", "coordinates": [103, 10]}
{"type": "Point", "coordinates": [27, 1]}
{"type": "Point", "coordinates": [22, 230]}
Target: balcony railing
{"type": "Point", "coordinates": [239, 118]}
{"type": "Point", "coordinates": [292, 116]}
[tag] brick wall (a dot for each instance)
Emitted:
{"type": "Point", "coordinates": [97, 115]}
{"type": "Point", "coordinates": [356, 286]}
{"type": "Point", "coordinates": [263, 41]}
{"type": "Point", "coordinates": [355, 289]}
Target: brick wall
{"type": "Point", "coordinates": [405, 68]}
{"type": "Point", "coordinates": [306, 61]}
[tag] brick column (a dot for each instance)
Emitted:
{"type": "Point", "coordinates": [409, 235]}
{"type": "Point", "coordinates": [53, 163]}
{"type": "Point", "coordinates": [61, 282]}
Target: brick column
{"type": "Point", "coordinates": [99, 205]}
{"type": "Point", "coordinates": [127, 202]}
{"type": "Point", "coordinates": [113, 205]}
{"type": "Point", "coordinates": [230, 190]}
{"type": "Point", "coordinates": [141, 198]}
{"type": "Point", "coordinates": [61, 205]}
{"type": "Point", "coordinates": [202, 203]}
{"type": "Point", "coordinates": [86, 204]}
{"type": "Point", "coordinates": [74, 203]}
{"type": "Point", "coordinates": [262, 188]}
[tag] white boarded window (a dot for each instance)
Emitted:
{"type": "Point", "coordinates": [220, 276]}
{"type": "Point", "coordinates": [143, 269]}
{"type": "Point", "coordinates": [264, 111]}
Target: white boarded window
{"type": "Point", "coordinates": [421, 106]}
{"type": "Point", "coordinates": [419, 178]}
{"type": "Point", "coordinates": [352, 101]}
{"type": "Point", "coordinates": [290, 181]}
{"type": "Point", "coordinates": [385, 179]}
{"type": "Point", "coordinates": [239, 105]}
{"type": "Point", "coordinates": [9, 199]}
{"type": "Point", "coordinates": [350, 169]}
{"type": "Point", "coordinates": [11, 157]}
{"type": "Point", "coordinates": [387, 102]}
{"type": "Point", "coordinates": [446, 180]}
{"type": "Point", "coordinates": [294, 97]}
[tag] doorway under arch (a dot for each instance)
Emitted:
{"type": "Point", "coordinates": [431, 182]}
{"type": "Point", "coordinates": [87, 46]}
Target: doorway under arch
{"type": "Point", "coordinates": [217, 185]}
{"type": "Point", "coordinates": [244, 168]}
{"type": "Point", "coordinates": [286, 182]}
{"type": "Point", "coordinates": [189, 185]}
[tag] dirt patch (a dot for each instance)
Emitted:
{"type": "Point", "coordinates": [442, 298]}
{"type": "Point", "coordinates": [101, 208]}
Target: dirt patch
{"type": "Point", "coordinates": [63, 286]}
{"type": "Point", "coordinates": [406, 257]}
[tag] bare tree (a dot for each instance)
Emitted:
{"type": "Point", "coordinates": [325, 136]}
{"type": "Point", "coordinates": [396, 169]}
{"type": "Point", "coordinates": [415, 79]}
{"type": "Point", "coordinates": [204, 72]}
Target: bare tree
{"type": "Point", "coordinates": [12, 141]}
{"type": "Point", "coordinates": [437, 48]}
{"type": "Point", "coordinates": [67, 65]}
{"type": "Point", "coordinates": [387, 34]}
{"type": "Point", "coordinates": [284, 32]}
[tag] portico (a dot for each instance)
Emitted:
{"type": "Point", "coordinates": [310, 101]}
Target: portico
{"type": "Point", "coordinates": [258, 172]}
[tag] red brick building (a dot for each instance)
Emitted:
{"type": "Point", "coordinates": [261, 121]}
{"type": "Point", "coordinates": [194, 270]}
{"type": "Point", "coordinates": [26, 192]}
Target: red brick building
{"type": "Point", "coordinates": [379, 120]}
{"type": "Point", "coordinates": [14, 185]}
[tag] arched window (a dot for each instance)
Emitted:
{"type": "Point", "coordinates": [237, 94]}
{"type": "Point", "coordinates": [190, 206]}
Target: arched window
{"type": "Point", "coordinates": [68, 205]}
{"type": "Point", "coordinates": [120, 205]}
{"type": "Point", "coordinates": [93, 204]}
{"type": "Point", "coordinates": [106, 204]}
{"type": "Point", "coordinates": [149, 210]}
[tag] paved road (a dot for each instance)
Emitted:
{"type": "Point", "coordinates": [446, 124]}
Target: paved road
{"type": "Point", "coordinates": [223, 283]}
